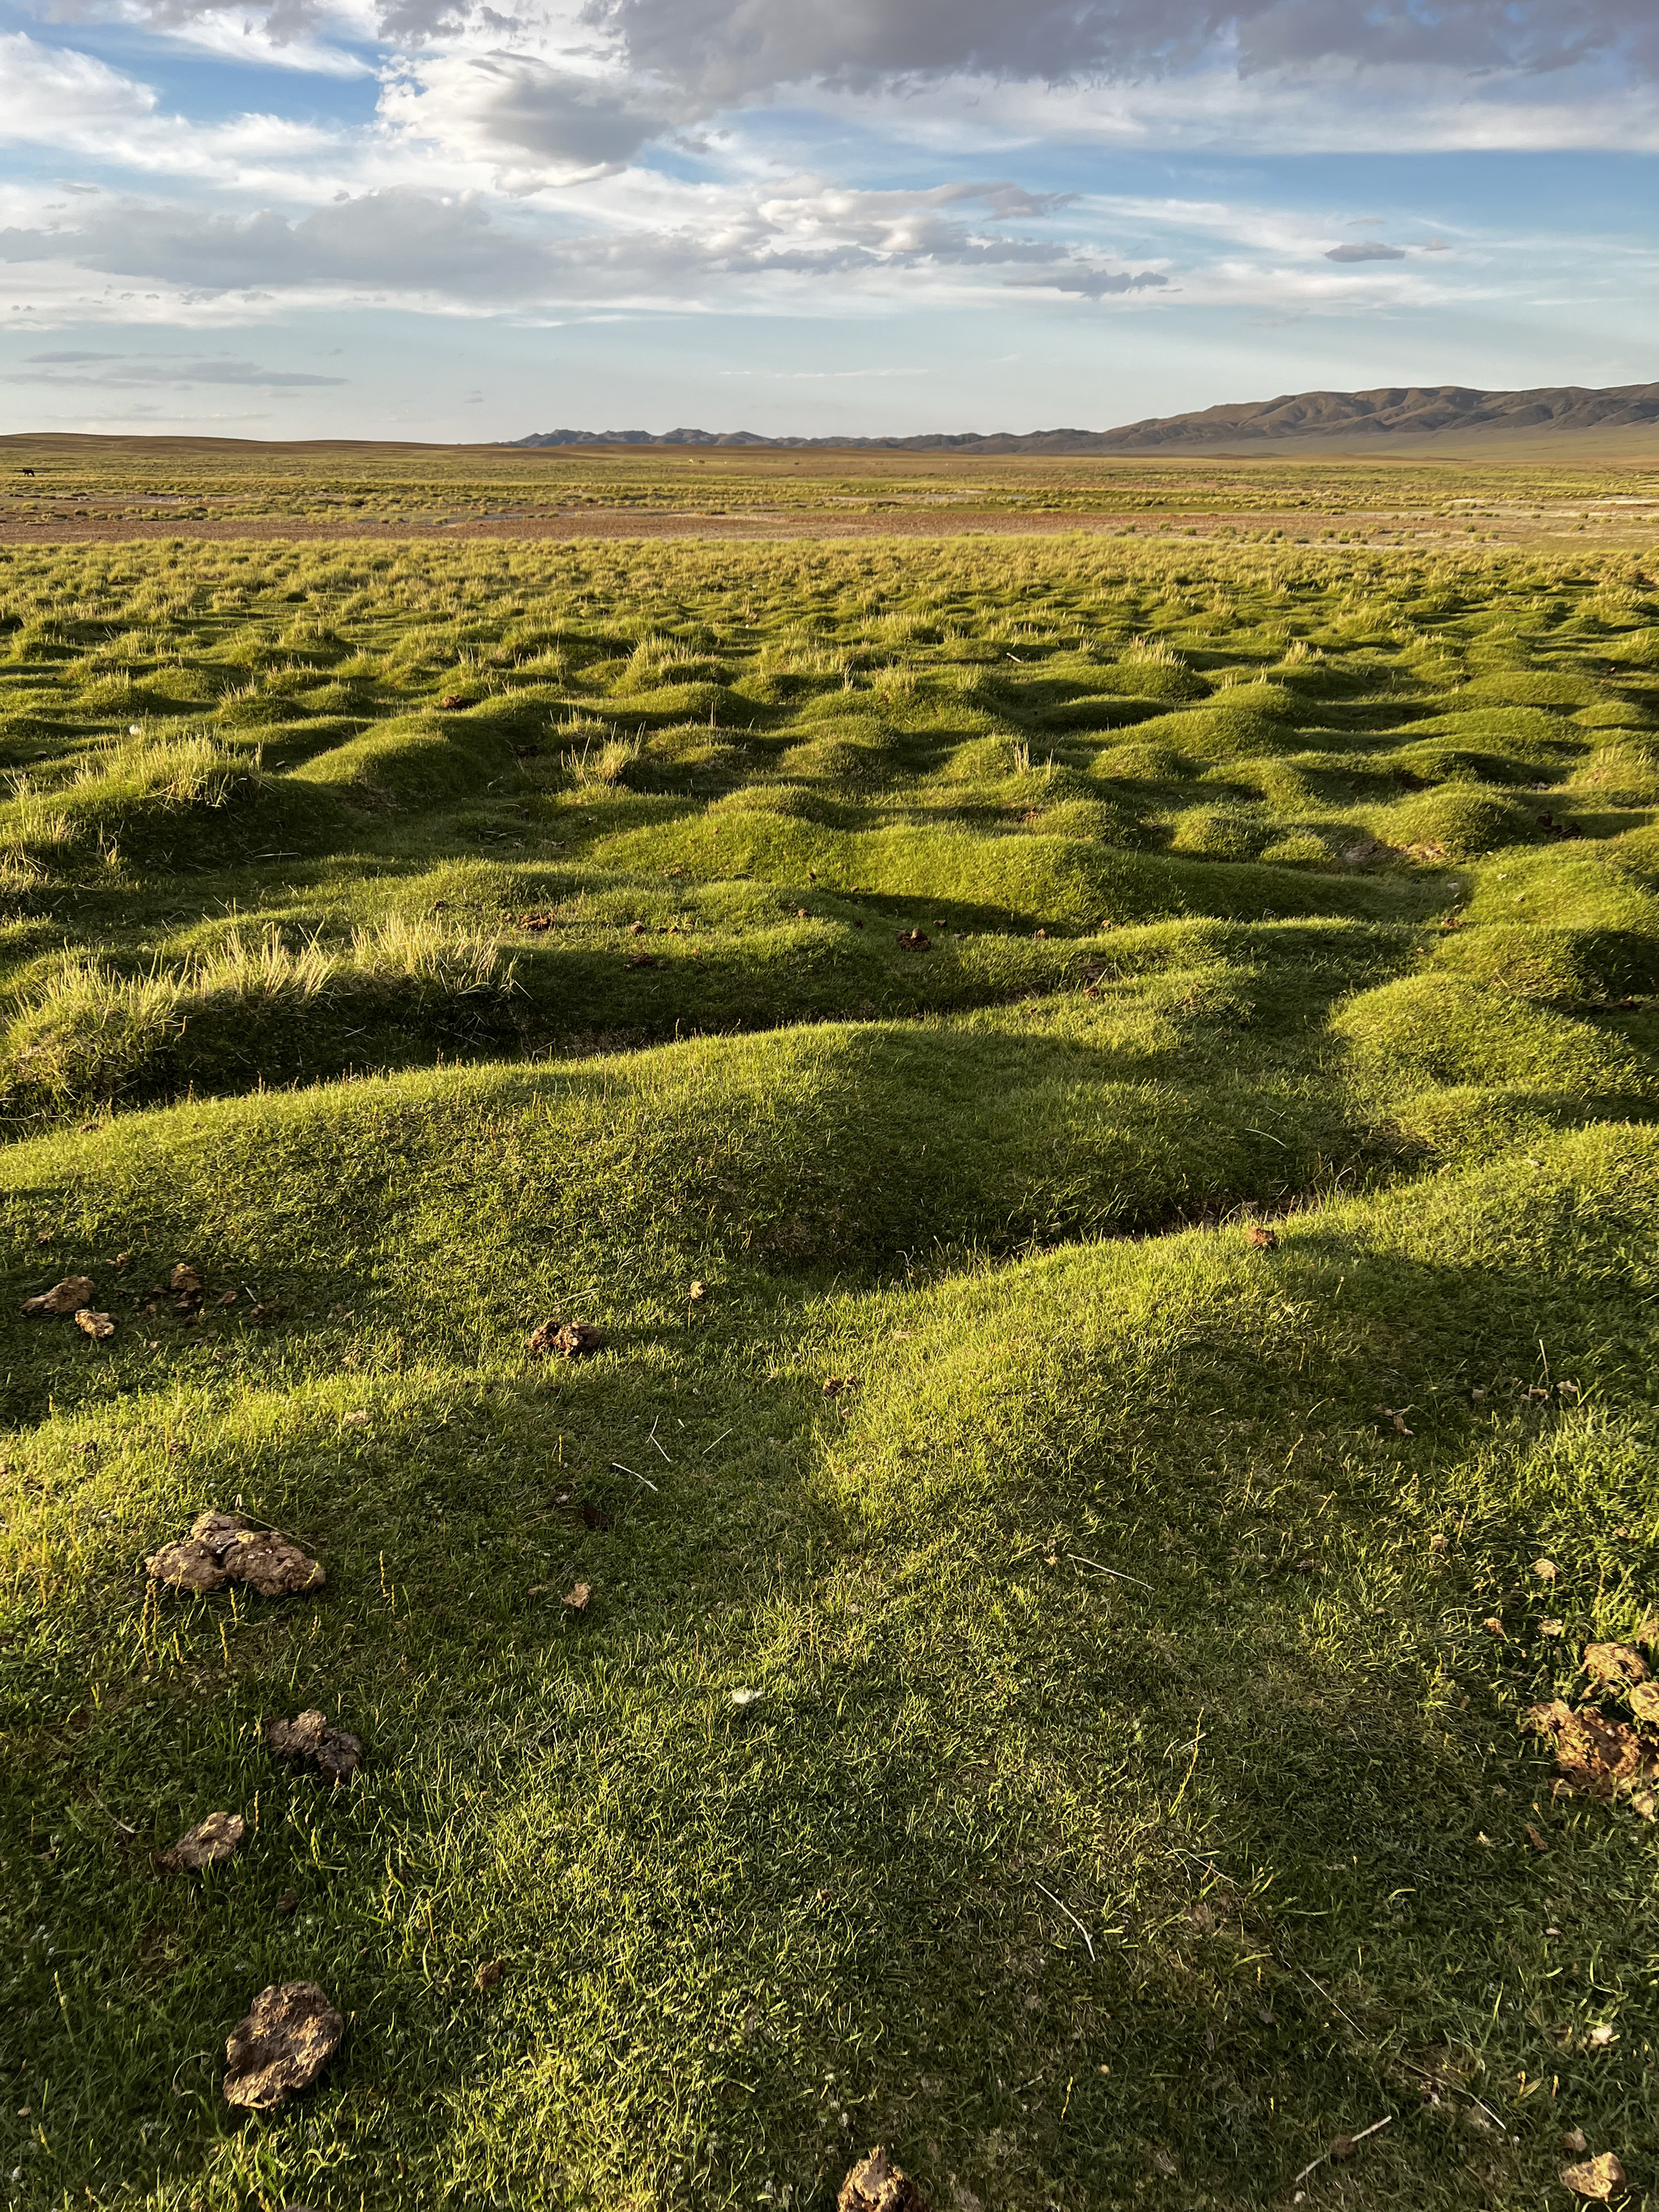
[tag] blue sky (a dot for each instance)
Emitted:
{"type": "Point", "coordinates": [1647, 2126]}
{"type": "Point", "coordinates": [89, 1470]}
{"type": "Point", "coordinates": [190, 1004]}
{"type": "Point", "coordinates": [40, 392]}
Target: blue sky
{"type": "Point", "coordinates": [431, 219]}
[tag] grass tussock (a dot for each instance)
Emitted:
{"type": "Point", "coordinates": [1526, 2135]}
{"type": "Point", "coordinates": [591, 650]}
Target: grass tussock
{"type": "Point", "coordinates": [1100, 1098]}
{"type": "Point", "coordinates": [88, 1035]}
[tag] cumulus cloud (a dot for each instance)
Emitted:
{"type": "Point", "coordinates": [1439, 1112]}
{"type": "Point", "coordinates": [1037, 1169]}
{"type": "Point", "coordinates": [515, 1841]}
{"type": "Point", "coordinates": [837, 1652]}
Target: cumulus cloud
{"type": "Point", "coordinates": [1366, 249]}
{"type": "Point", "coordinates": [525, 115]}
{"type": "Point", "coordinates": [53, 96]}
{"type": "Point", "coordinates": [402, 245]}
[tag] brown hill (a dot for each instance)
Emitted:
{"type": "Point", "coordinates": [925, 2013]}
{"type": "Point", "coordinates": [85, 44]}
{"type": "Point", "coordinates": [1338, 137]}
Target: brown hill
{"type": "Point", "coordinates": [1427, 412]}
{"type": "Point", "coordinates": [1394, 410]}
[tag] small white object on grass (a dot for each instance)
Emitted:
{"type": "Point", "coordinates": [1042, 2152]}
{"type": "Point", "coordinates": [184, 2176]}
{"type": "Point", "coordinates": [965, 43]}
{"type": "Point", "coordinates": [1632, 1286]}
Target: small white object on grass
{"type": "Point", "coordinates": [745, 1697]}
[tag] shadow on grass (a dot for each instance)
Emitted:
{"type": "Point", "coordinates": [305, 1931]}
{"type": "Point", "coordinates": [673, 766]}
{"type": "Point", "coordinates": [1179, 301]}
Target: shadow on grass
{"type": "Point", "coordinates": [1268, 1761]}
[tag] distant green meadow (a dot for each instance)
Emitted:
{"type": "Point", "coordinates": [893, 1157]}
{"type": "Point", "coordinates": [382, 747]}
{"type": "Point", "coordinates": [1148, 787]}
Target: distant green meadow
{"type": "Point", "coordinates": [1104, 1099]}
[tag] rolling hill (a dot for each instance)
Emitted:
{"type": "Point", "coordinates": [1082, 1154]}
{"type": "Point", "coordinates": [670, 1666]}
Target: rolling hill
{"type": "Point", "coordinates": [1417, 412]}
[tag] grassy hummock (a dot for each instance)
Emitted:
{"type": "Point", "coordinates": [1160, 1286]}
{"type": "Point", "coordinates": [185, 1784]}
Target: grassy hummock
{"type": "Point", "coordinates": [1104, 1104]}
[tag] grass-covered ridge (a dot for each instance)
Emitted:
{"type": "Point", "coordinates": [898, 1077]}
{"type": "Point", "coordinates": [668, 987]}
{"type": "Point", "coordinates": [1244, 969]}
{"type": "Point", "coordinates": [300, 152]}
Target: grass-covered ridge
{"type": "Point", "coordinates": [943, 959]}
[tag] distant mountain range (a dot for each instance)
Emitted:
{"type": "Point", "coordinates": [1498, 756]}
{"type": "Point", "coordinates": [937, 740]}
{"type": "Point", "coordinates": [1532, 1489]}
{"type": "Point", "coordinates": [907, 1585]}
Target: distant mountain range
{"type": "Point", "coordinates": [1395, 411]}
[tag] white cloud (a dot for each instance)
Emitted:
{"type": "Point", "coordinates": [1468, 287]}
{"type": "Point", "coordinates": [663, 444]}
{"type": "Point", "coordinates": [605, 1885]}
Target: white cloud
{"type": "Point", "coordinates": [56, 96]}
{"type": "Point", "coordinates": [734, 49]}
{"type": "Point", "coordinates": [240, 36]}
{"type": "Point", "coordinates": [1216, 108]}
{"type": "Point", "coordinates": [536, 122]}
{"type": "Point", "coordinates": [548, 164]}
{"type": "Point", "coordinates": [180, 372]}
{"type": "Point", "coordinates": [675, 246]}
{"type": "Point", "coordinates": [399, 243]}
{"type": "Point", "coordinates": [729, 51]}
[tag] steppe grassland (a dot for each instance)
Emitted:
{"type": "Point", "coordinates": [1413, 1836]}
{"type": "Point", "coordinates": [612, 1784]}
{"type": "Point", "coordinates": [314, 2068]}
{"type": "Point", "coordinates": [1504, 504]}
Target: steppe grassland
{"type": "Point", "coordinates": [213, 483]}
{"type": "Point", "coordinates": [1134, 1800]}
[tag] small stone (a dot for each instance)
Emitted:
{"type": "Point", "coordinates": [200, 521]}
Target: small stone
{"type": "Point", "coordinates": [290, 2034]}
{"type": "Point", "coordinates": [570, 1339]}
{"type": "Point", "coordinates": [205, 1844]}
{"type": "Point", "coordinates": [308, 1740]}
{"type": "Point", "coordinates": [1597, 2178]}
{"type": "Point", "coordinates": [221, 1547]}
{"type": "Point", "coordinates": [63, 1298]}
{"type": "Point", "coordinates": [877, 2185]}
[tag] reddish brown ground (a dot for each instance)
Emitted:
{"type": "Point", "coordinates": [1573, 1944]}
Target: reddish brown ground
{"type": "Point", "coordinates": [89, 527]}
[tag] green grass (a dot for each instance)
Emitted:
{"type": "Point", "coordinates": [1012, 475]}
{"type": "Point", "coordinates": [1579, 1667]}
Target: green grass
{"type": "Point", "coordinates": [1134, 1798]}
{"type": "Point", "coordinates": [375, 488]}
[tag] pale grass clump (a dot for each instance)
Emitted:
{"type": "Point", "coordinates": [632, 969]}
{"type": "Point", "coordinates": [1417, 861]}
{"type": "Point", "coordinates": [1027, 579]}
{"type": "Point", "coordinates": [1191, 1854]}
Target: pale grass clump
{"type": "Point", "coordinates": [398, 948]}
{"type": "Point", "coordinates": [602, 760]}
{"type": "Point", "coordinates": [894, 683]}
{"type": "Point", "coordinates": [35, 828]}
{"type": "Point", "coordinates": [189, 770]}
{"type": "Point", "coordinates": [89, 1031]}
{"type": "Point", "coordinates": [1153, 652]}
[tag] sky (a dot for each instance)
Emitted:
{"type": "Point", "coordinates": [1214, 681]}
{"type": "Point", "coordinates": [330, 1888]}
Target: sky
{"type": "Point", "coordinates": [432, 219]}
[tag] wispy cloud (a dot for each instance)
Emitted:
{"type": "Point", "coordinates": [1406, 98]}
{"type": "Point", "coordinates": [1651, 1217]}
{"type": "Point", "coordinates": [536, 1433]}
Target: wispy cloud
{"type": "Point", "coordinates": [180, 372]}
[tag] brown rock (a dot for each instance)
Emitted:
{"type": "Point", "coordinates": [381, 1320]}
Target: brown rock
{"type": "Point", "coordinates": [569, 1339]}
{"type": "Point", "coordinates": [65, 1298]}
{"type": "Point", "coordinates": [1598, 2178]}
{"type": "Point", "coordinates": [184, 1282]}
{"type": "Point", "coordinates": [1596, 1756]}
{"type": "Point", "coordinates": [205, 1844]}
{"type": "Point", "coordinates": [187, 1566]}
{"type": "Point", "coordinates": [308, 1740]}
{"type": "Point", "coordinates": [267, 1562]}
{"type": "Point", "coordinates": [93, 1324]}
{"type": "Point", "coordinates": [876, 2184]}
{"type": "Point", "coordinates": [1615, 1665]}
{"type": "Point", "coordinates": [288, 2037]}
{"type": "Point", "coordinates": [221, 1547]}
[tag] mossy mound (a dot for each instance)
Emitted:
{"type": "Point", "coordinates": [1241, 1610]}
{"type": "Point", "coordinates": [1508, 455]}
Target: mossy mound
{"type": "Point", "coordinates": [1534, 688]}
{"type": "Point", "coordinates": [1442, 1028]}
{"type": "Point", "coordinates": [1459, 821]}
{"type": "Point", "coordinates": [1560, 967]}
{"type": "Point", "coordinates": [413, 762]}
